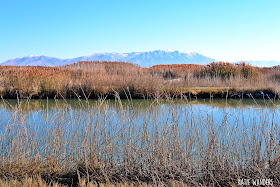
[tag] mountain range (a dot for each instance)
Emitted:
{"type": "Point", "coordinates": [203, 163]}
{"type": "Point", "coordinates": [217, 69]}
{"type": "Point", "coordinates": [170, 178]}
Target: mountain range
{"type": "Point", "coordinates": [144, 59]}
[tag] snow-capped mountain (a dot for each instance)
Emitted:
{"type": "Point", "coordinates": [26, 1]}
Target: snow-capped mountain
{"type": "Point", "coordinates": [151, 58]}
{"type": "Point", "coordinates": [144, 59]}
{"type": "Point", "coordinates": [34, 60]}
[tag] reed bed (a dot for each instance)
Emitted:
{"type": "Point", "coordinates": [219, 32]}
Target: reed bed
{"type": "Point", "coordinates": [96, 79]}
{"type": "Point", "coordinates": [116, 143]}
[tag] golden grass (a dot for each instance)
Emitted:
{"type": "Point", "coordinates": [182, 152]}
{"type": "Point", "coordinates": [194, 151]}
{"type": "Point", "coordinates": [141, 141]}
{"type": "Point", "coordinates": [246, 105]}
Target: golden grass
{"type": "Point", "coordinates": [38, 182]}
{"type": "Point", "coordinates": [27, 182]}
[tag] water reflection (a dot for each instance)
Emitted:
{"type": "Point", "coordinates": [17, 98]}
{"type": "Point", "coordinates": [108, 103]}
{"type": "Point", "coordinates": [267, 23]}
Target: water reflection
{"type": "Point", "coordinates": [43, 104]}
{"type": "Point", "coordinates": [217, 111]}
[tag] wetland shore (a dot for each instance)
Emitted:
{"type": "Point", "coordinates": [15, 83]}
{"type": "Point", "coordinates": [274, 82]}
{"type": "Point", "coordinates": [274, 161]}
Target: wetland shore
{"type": "Point", "coordinates": [93, 80]}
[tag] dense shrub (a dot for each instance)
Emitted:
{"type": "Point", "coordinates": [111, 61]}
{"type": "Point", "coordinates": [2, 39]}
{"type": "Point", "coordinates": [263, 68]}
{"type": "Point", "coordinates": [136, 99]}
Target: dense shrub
{"type": "Point", "coordinates": [225, 70]}
{"type": "Point", "coordinates": [169, 75]}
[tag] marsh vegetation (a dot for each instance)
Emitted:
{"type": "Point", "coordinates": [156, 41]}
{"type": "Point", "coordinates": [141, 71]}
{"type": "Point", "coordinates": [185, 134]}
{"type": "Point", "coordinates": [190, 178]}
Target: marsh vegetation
{"type": "Point", "coordinates": [139, 142]}
{"type": "Point", "coordinates": [103, 79]}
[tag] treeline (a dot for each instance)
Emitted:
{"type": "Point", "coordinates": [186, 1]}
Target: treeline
{"type": "Point", "coordinates": [104, 79]}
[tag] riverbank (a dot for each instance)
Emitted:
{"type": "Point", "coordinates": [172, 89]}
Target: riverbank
{"type": "Point", "coordinates": [163, 93]}
{"type": "Point", "coordinates": [232, 93]}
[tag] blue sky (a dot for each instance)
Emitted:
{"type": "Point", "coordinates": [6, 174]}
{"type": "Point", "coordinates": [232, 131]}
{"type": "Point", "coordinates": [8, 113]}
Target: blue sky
{"type": "Point", "coordinates": [222, 29]}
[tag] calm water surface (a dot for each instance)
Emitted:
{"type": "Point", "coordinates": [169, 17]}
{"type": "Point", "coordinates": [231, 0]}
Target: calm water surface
{"type": "Point", "coordinates": [37, 113]}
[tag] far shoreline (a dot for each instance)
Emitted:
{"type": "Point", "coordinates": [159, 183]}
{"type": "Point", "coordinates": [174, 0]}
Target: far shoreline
{"type": "Point", "coordinates": [93, 80]}
{"type": "Point", "coordinates": [199, 93]}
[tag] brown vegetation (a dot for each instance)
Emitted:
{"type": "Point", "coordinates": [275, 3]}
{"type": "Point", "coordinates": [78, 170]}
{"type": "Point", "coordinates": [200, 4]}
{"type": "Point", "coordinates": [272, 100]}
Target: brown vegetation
{"type": "Point", "coordinates": [99, 79]}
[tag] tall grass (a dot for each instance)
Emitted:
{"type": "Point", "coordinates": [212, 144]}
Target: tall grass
{"type": "Point", "coordinates": [96, 79]}
{"type": "Point", "coordinates": [117, 143]}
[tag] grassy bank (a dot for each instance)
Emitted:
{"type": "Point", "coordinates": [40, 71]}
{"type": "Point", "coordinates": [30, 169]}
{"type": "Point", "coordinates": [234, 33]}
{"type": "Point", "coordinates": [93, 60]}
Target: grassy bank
{"type": "Point", "coordinates": [103, 79]}
{"type": "Point", "coordinates": [154, 147]}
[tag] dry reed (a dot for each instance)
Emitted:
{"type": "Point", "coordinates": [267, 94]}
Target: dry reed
{"type": "Point", "coordinates": [117, 143]}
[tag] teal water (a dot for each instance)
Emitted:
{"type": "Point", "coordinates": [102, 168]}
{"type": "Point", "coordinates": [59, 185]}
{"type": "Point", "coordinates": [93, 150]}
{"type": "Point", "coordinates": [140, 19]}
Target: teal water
{"type": "Point", "coordinates": [42, 114]}
{"type": "Point", "coordinates": [39, 112]}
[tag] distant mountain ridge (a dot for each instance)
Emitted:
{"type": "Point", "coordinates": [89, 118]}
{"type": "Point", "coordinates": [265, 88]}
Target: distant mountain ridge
{"type": "Point", "coordinates": [34, 60]}
{"type": "Point", "coordinates": [264, 63]}
{"type": "Point", "coordinates": [144, 59]}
